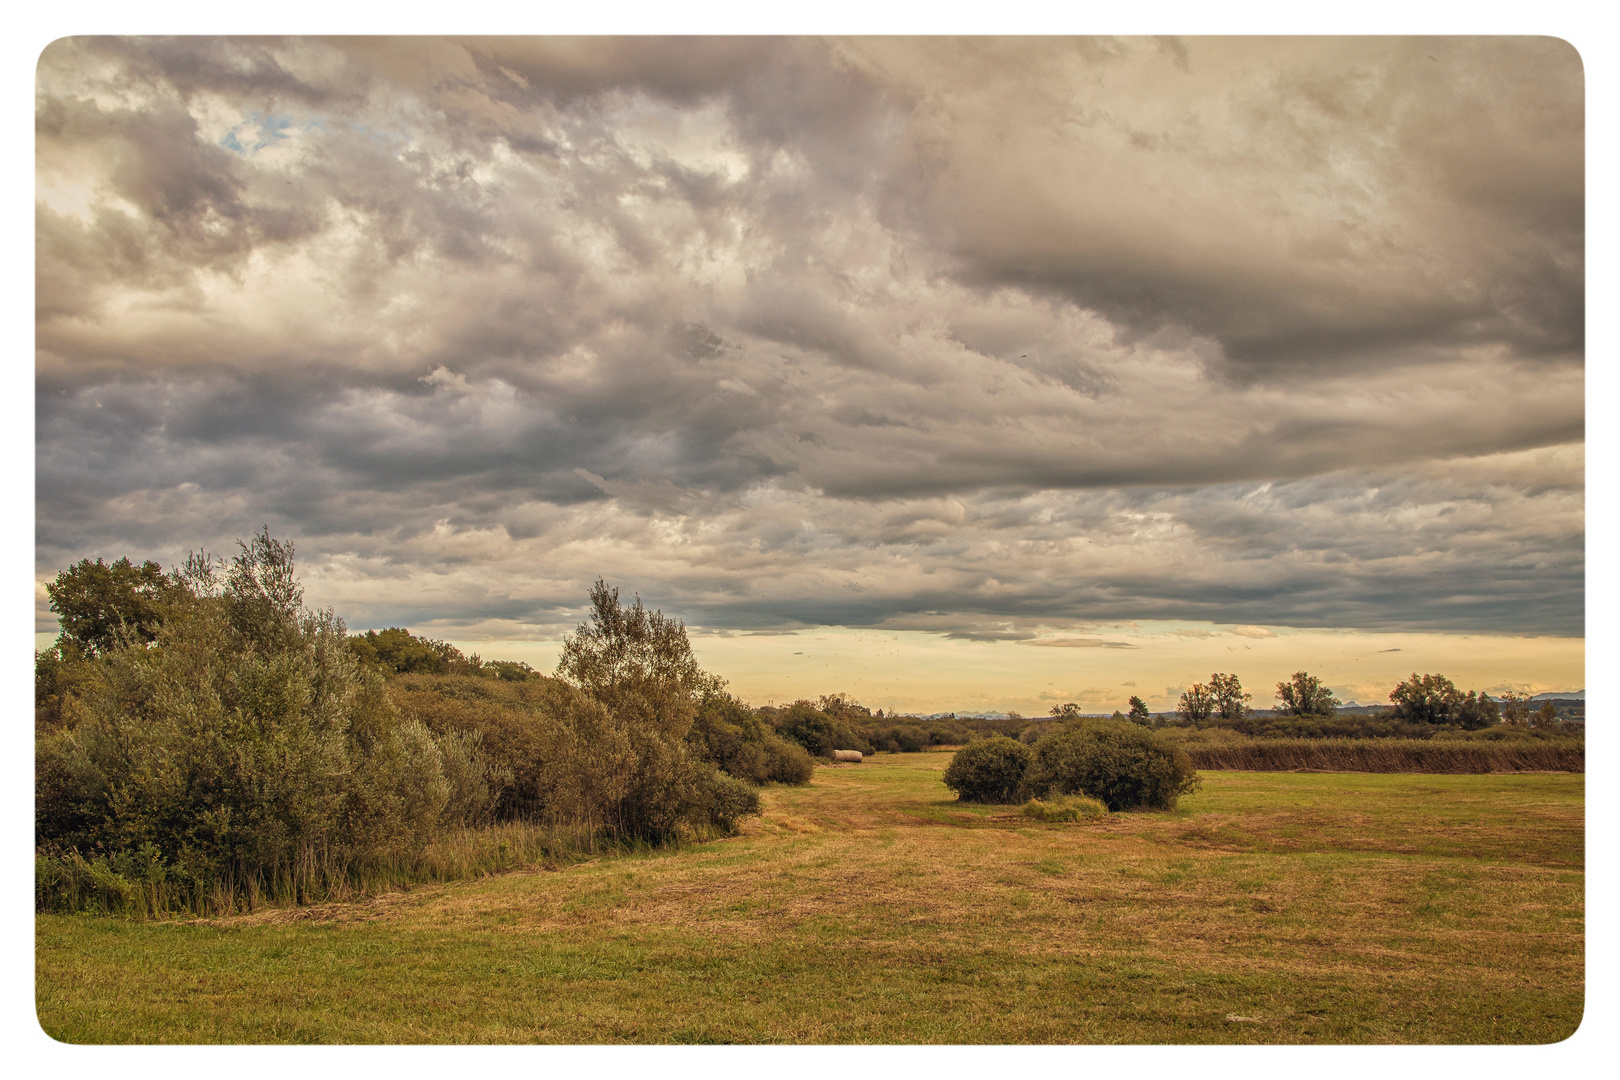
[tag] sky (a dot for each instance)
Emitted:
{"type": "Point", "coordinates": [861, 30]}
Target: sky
{"type": "Point", "coordinates": [967, 374]}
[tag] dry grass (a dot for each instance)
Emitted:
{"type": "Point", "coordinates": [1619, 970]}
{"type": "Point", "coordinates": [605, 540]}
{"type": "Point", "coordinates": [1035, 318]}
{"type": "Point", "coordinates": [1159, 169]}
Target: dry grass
{"type": "Point", "coordinates": [870, 907]}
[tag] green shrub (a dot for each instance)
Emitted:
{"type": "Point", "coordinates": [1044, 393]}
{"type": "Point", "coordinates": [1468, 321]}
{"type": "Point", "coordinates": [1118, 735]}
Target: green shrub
{"type": "Point", "coordinates": [989, 770]}
{"type": "Point", "coordinates": [1066, 808]}
{"type": "Point", "coordinates": [724, 800]}
{"type": "Point", "coordinates": [1124, 765]}
{"type": "Point", "coordinates": [787, 762]}
{"type": "Point", "coordinates": [820, 733]}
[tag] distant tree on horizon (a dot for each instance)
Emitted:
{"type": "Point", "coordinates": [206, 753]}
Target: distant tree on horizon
{"type": "Point", "coordinates": [1231, 702]}
{"type": "Point", "coordinates": [1196, 704]}
{"type": "Point", "coordinates": [1304, 695]}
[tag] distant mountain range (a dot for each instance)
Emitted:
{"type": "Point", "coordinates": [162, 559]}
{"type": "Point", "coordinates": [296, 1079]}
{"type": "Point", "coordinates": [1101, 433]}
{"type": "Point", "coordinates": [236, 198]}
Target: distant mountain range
{"type": "Point", "coordinates": [1562, 695]}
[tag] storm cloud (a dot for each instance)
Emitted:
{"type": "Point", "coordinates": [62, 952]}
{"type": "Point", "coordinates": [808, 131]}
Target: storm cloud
{"type": "Point", "coordinates": [974, 336]}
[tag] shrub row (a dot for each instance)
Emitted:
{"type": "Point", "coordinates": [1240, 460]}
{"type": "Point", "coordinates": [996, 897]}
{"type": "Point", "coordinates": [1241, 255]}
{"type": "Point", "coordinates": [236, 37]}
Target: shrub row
{"type": "Point", "coordinates": [241, 748]}
{"type": "Point", "coordinates": [1120, 764]}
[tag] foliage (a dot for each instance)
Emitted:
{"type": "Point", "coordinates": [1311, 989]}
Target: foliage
{"type": "Point", "coordinates": [787, 762]}
{"type": "Point", "coordinates": [104, 607]}
{"type": "Point", "coordinates": [989, 770]}
{"type": "Point", "coordinates": [1430, 699]}
{"type": "Point", "coordinates": [1065, 808]}
{"type": "Point", "coordinates": [636, 662]}
{"type": "Point", "coordinates": [1196, 704]}
{"type": "Point", "coordinates": [244, 745]}
{"type": "Point", "coordinates": [1435, 699]}
{"type": "Point", "coordinates": [819, 732]}
{"type": "Point", "coordinates": [1139, 711]}
{"type": "Point", "coordinates": [1230, 700]}
{"type": "Point", "coordinates": [62, 675]}
{"type": "Point", "coordinates": [725, 800]}
{"type": "Point", "coordinates": [1123, 764]}
{"type": "Point", "coordinates": [727, 733]}
{"type": "Point", "coordinates": [1304, 695]}
{"type": "Point", "coordinates": [245, 750]}
{"type": "Point", "coordinates": [397, 651]}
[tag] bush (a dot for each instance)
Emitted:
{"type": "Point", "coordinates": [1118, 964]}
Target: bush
{"type": "Point", "coordinates": [989, 770]}
{"type": "Point", "coordinates": [787, 762]}
{"type": "Point", "coordinates": [725, 800]}
{"type": "Point", "coordinates": [1123, 764]}
{"type": "Point", "coordinates": [820, 733]}
{"type": "Point", "coordinates": [1066, 808]}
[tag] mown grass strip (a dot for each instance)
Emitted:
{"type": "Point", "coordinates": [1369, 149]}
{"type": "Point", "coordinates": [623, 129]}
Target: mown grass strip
{"type": "Point", "coordinates": [1314, 907]}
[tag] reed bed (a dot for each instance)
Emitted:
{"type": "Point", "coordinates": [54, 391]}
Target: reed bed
{"type": "Point", "coordinates": [1387, 755]}
{"type": "Point", "coordinates": [141, 886]}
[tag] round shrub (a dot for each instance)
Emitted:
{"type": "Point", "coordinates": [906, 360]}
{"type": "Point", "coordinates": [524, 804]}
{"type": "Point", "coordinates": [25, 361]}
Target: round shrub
{"type": "Point", "coordinates": [1122, 764]}
{"type": "Point", "coordinates": [787, 762]}
{"type": "Point", "coordinates": [989, 770]}
{"type": "Point", "coordinates": [725, 799]}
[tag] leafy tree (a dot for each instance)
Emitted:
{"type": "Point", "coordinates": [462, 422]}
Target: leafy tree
{"type": "Point", "coordinates": [62, 675]}
{"type": "Point", "coordinates": [104, 607]}
{"type": "Point", "coordinates": [1304, 695]}
{"type": "Point", "coordinates": [1546, 717]}
{"type": "Point", "coordinates": [1066, 711]}
{"type": "Point", "coordinates": [1231, 703]}
{"type": "Point", "coordinates": [820, 733]}
{"type": "Point", "coordinates": [638, 663]}
{"type": "Point", "coordinates": [1516, 709]}
{"type": "Point", "coordinates": [1426, 699]}
{"type": "Point", "coordinates": [262, 594]}
{"type": "Point", "coordinates": [1196, 704]}
{"type": "Point", "coordinates": [1475, 712]}
{"type": "Point", "coordinates": [1139, 711]}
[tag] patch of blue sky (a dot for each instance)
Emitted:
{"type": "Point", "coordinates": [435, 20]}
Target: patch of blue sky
{"type": "Point", "coordinates": [386, 138]}
{"type": "Point", "coordinates": [263, 130]}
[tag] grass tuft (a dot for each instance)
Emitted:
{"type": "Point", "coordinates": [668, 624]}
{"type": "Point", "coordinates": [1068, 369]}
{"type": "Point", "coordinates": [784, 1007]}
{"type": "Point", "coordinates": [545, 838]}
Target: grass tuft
{"type": "Point", "coordinates": [1065, 808]}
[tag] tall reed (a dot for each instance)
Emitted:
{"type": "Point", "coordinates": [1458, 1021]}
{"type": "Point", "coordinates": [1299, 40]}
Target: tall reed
{"type": "Point", "coordinates": [142, 886]}
{"type": "Point", "coordinates": [1388, 755]}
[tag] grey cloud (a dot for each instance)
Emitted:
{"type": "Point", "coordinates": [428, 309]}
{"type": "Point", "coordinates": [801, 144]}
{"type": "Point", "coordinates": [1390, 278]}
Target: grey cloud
{"type": "Point", "coordinates": [1081, 643]}
{"type": "Point", "coordinates": [980, 337]}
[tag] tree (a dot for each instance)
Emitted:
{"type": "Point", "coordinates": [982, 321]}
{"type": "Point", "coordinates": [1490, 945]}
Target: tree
{"type": "Point", "coordinates": [1066, 711]}
{"type": "Point", "coordinates": [638, 663]}
{"type": "Point", "coordinates": [1476, 712]}
{"type": "Point", "coordinates": [1231, 703]}
{"type": "Point", "coordinates": [1196, 704]}
{"type": "Point", "coordinates": [1139, 710]}
{"type": "Point", "coordinates": [1515, 709]}
{"type": "Point", "coordinates": [1304, 695]}
{"type": "Point", "coordinates": [1426, 699]}
{"type": "Point", "coordinates": [104, 607]}
{"type": "Point", "coordinates": [1545, 717]}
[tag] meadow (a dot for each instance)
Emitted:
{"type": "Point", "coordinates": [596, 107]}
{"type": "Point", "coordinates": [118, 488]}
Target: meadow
{"type": "Point", "coordinates": [870, 907]}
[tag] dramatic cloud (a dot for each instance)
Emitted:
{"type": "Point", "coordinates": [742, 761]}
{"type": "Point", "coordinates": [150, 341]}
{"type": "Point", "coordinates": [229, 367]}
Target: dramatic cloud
{"type": "Point", "coordinates": [977, 337]}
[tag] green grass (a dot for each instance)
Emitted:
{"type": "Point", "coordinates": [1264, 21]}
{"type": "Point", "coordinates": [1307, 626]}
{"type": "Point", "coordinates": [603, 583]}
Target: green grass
{"type": "Point", "coordinates": [870, 907]}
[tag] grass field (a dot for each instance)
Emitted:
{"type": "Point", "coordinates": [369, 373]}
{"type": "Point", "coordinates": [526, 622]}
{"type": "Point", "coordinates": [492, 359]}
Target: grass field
{"type": "Point", "coordinates": [869, 907]}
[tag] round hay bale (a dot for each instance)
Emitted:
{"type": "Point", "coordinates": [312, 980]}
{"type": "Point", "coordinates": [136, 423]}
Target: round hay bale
{"type": "Point", "coordinates": [847, 755]}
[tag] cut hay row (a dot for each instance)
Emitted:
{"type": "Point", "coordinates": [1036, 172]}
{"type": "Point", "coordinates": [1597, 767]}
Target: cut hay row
{"type": "Point", "coordinates": [1388, 756]}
